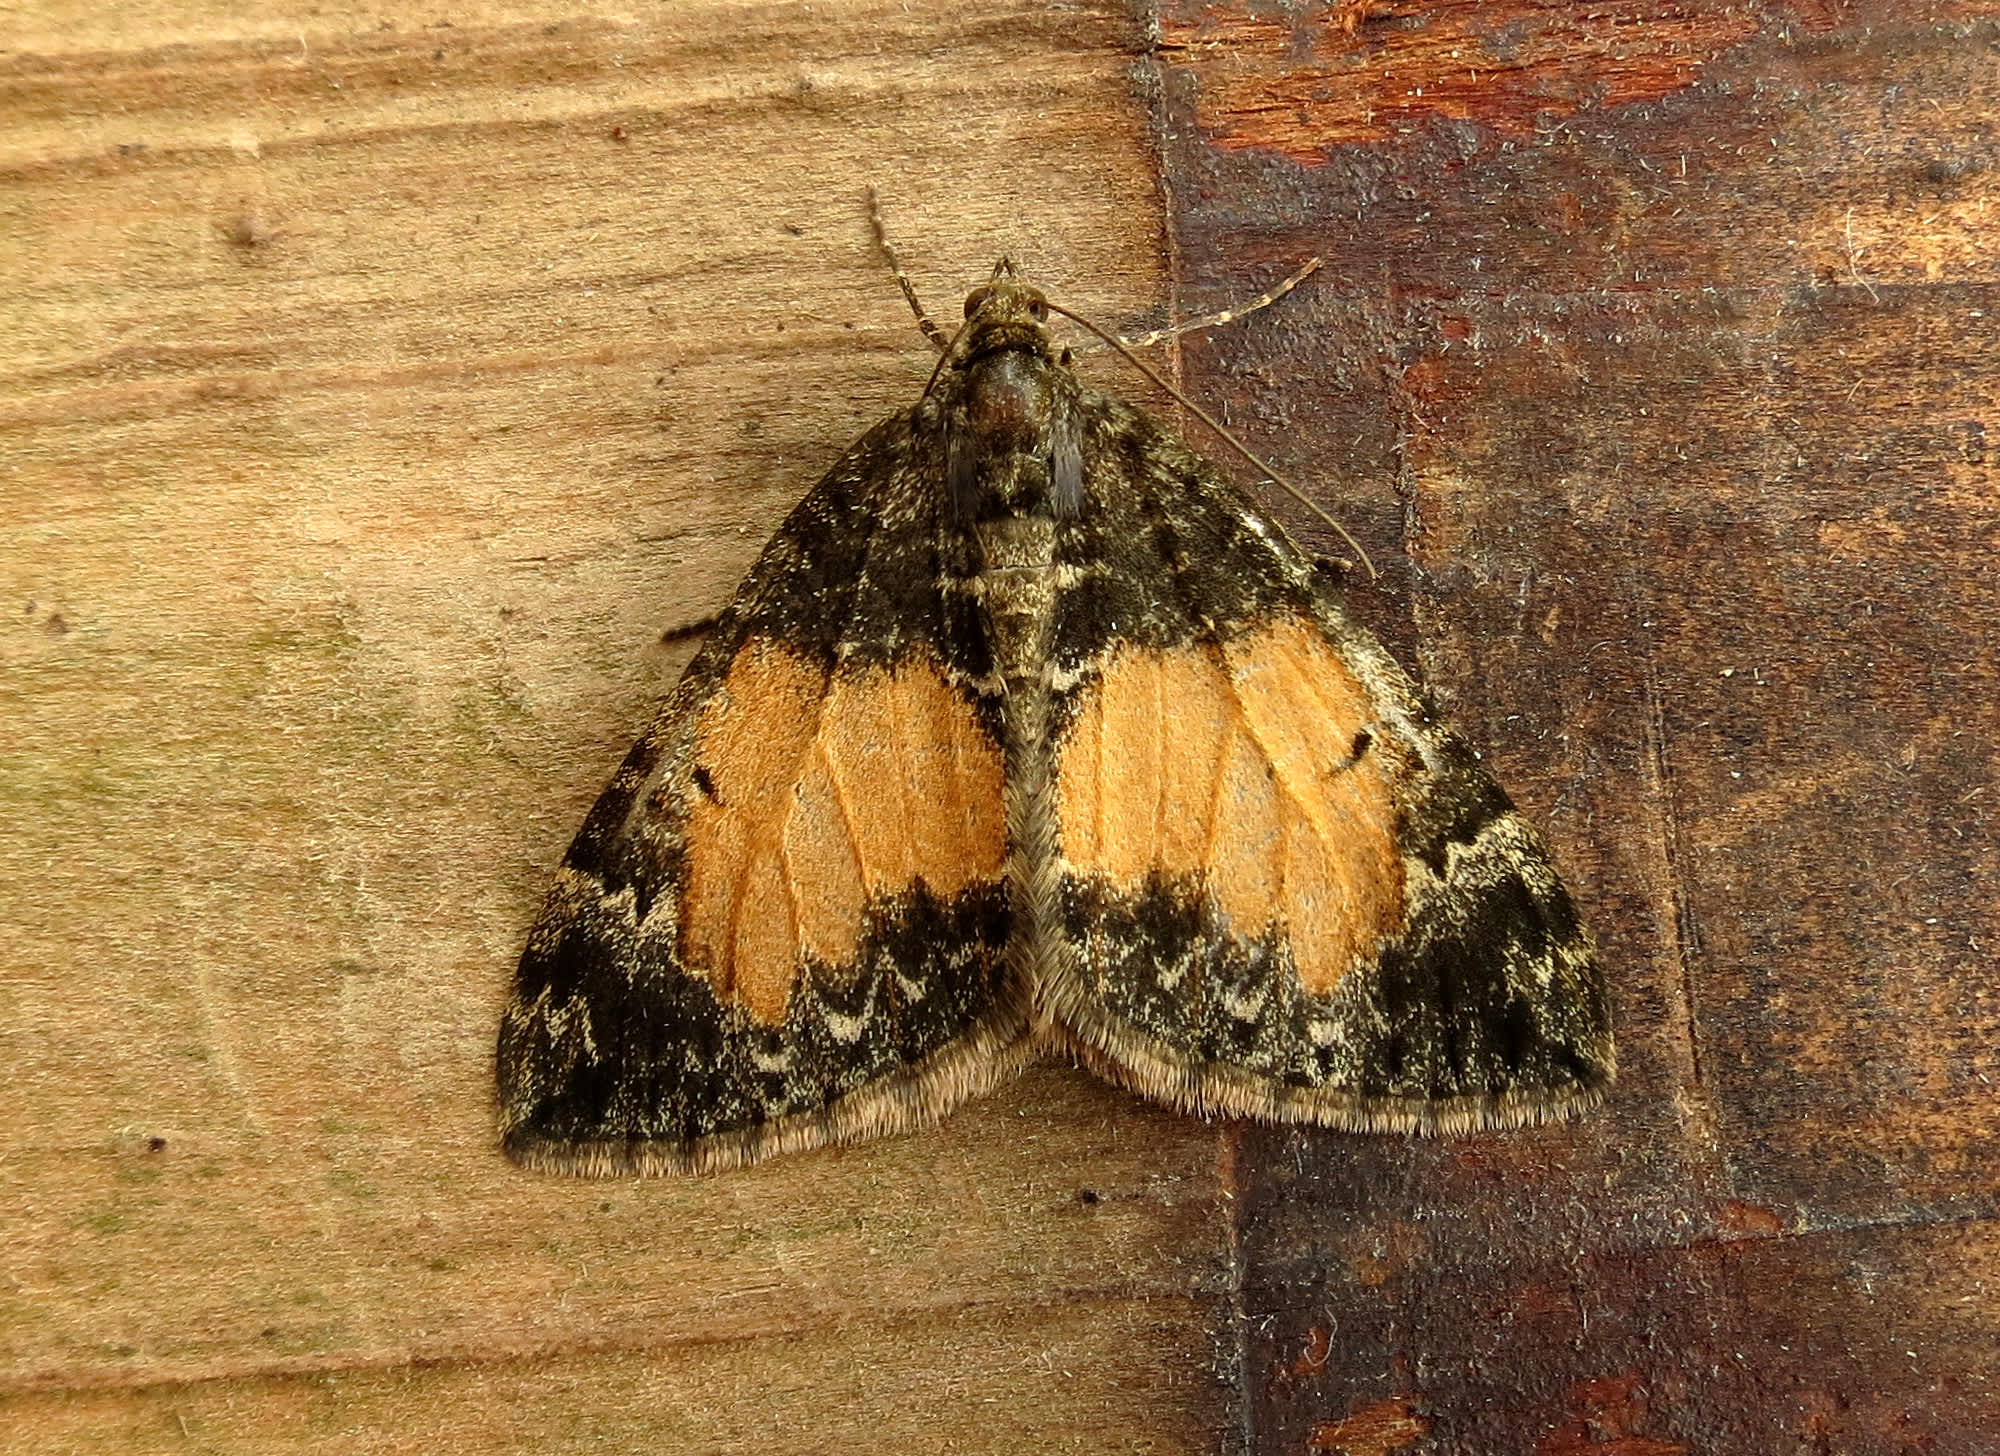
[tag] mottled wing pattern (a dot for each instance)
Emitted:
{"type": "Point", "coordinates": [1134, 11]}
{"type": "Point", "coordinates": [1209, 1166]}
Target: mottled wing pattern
{"type": "Point", "coordinates": [1289, 891]}
{"type": "Point", "coordinates": [782, 924]}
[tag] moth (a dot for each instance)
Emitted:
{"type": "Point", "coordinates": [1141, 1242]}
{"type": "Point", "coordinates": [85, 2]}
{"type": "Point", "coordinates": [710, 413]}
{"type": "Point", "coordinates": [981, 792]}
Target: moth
{"type": "Point", "coordinates": [1028, 734]}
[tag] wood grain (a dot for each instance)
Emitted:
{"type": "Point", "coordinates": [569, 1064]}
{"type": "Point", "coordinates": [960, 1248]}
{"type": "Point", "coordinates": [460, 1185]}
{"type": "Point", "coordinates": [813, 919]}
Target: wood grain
{"type": "Point", "coordinates": [1118, 1375]}
{"type": "Point", "coordinates": [372, 398]}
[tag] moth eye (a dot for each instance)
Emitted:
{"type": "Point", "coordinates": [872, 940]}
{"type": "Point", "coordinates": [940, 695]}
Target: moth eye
{"type": "Point", "coordinates": [1037, 309]}
{"type": "Point", "coordinates": [976, 300]}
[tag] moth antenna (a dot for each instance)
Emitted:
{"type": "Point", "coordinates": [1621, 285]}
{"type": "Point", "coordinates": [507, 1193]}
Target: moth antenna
{"type": "Point", "coordinates": [945, 357]}
{"type": "Point", "coordinates": [1216, 425]}
{"type": "Point", "coordinates": [931, 331]}
{"type": "Point", "coordinates": [1228, 315]}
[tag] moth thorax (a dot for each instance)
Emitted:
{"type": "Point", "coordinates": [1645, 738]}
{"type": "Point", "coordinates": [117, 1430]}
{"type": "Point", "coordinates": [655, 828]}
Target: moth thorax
{"type": "Point", "coordinates": [1002, 442]}
{"type": "Point", "coordinates": [1007, 401]}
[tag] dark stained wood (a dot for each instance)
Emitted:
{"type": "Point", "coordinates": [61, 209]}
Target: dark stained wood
{"type": "Point", "coordinates": [1653, 355]}
{"type": "Point", "coordinates": [1866, 1339]}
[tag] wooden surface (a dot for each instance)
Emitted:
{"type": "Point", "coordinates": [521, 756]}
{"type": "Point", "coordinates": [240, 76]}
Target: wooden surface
{"type": "Point", "coordinates": [1674, 333]}
{"type": "Point", "coordinates": [376, 393]}
{"type": "Point", "coordinates": [374, 398]}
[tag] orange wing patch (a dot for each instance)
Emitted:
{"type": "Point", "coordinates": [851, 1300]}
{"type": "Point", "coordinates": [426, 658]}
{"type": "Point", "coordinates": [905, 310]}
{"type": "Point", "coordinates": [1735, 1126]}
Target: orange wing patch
{"type": "Point", "coordinates": [1235, 763]}
{"type": "Point", "coordinates": [826, 796]}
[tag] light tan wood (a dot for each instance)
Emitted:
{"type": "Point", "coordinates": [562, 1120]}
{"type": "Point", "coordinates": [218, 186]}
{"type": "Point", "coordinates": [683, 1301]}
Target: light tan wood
{"type": "Point", "coordinates": [371, 399]}
{"type": "Point", "coordinates": [1119, 1375]}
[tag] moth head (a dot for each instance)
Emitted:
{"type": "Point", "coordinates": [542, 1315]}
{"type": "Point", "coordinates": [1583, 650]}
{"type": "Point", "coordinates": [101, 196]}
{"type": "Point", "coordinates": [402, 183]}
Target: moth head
{"type": "Point", "coordinates": [1005, 312]}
